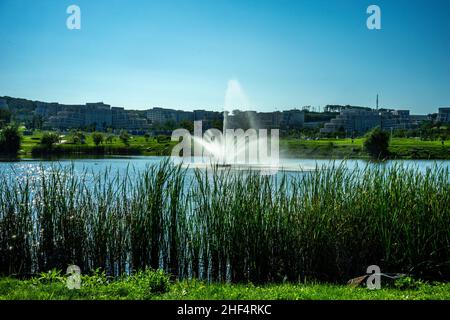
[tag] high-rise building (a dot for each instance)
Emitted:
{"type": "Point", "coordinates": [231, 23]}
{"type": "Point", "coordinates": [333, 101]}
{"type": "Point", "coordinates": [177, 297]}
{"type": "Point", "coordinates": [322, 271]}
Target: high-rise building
{"type": "Point", "coordinates": [357, 120]}
{"type": "Point", "coordinates": [291, 119]}
{"type": "Point", "coordinates": [161, 115]}
{"type": "Point", "coordinates": [98, 115]}
{"type": "Point", "coordinates": [127, 120]}
{"type": "Point", "coordinates": [443, 115]}
{"type": "Point", "coordinates": [45, 110]}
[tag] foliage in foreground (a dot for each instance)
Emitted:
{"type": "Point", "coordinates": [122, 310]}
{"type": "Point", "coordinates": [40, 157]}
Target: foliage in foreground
{"type": "Point", "coordinates": [329, 224]}
{"type": "Point", "coordinates": [153, 285]}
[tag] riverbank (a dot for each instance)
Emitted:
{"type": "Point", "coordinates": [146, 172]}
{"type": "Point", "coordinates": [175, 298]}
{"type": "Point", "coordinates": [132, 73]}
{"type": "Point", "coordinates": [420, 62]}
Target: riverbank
{"type": "Point", "coordinates": [136, 145]}
{"type": "Point", "coordinates": [152, 287]}
{"type": "Point", "coordinates": [400, 148]}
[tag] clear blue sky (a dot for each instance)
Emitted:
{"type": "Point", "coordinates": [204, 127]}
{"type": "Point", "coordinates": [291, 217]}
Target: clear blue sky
{"type": "Point", "coordinates": [141, 54]}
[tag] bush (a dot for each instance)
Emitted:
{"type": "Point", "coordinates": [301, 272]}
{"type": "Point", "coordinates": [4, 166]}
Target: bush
{"type": "Point", "coordinates": [153, 282]}
{"type": "Point", "coordinates": [162, 138]}
{"type": "Point", "coordinates": [51, 276]}
{"type": "Point", "coordinates": [43, 151]}
{"type": "Point", "coordinates": [67, 149]}
{"type": "Point", "coordinates": [376, 143]}
{"type": "Point", "coordinates": [10, 140]}
{"type": "Point", "coordinates": [110, 138]}
{"type": "Point", "coordinates": [49, 139]}
{"type": "Point", "coordinates": [95, 279]}
{"type": "Point", "coordinates": [78, 137]}
{"type": "Point", "coordinates": [5, 117]}
{"type": "Point", "coordinates": [97, 137]}
{"type": "Point", "coordinates": [125, 137]}
{"type": "Point", "coordinates": [408, 283]}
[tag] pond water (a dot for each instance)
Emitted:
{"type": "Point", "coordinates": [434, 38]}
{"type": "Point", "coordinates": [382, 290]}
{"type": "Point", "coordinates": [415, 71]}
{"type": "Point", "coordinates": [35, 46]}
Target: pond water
{"type": "Point", "coordinates": [139, 163]}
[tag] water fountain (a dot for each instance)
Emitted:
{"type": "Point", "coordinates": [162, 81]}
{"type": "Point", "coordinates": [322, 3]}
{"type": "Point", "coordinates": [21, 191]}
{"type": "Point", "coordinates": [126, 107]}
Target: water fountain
{"type": "Point", "coordinates": [251, 148]}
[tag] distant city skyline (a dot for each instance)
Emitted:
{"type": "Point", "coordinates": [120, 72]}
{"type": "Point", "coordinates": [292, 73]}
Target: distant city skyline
{"type": "Point", "coordinates": [184, 54]}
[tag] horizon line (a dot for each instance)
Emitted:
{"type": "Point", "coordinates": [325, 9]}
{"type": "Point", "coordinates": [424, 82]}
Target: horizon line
{"type": "Point", "coordinates": [302, 108]}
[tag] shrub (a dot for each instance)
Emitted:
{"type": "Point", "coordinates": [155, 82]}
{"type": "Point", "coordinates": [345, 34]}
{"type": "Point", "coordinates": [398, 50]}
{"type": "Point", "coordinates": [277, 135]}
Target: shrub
{"type": "Point", "coordinates": [10, 140]}
{"type": "Point", "coordinates": [78, 137]}
{"type": "Point", "coordinates": [49, 139]}
{"type": "Point", "coordinates": [152, 281]}
{"type": "Point", "coordinates": [110, 138]}
{"type": "Point", "coordinates": [97, 137]}
{"type": "Point", "coordinates": [376, 143]}
{"type": "Point", "coordinates": [162, 138]}
{"type": "Point", "coordinates": [96, 278]}
{"type": "Point", "coordinates": [408, 283]}
{"type": "Point", "coordinates": [52, 276]}
{"type": "Point", "coordinates": [125, 137]}
{"type": "Point", "coordinates": [5, 117]}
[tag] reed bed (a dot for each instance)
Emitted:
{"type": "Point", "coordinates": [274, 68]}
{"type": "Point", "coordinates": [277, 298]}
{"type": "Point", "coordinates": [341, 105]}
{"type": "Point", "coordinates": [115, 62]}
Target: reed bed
{"type": "Point", "coordinates": [221, 225]}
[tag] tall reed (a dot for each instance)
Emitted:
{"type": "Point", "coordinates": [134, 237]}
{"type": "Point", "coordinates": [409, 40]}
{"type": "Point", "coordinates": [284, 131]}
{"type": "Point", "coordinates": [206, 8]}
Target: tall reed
{"type": "Point", "coordinates": [222, 225]}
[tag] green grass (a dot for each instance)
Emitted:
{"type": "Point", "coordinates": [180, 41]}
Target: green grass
{"type": "Point", "coordinates": [400, 148]}
{"type": "Point", "coordinates": [198, 290]}
{"type": "Point", "coordinates": [137, 145]}
{"type": "Point", "coordinates": [156, 286]}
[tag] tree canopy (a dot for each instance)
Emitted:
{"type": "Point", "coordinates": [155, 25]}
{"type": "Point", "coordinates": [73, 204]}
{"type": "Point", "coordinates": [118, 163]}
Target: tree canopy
{"type": "Point", "coordinates": [10, 140]}
{"type": "Point", "coordinates": [376, 143]}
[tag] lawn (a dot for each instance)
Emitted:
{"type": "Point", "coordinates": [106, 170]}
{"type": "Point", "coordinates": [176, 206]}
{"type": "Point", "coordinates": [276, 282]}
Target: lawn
{"type": "Point", "coordinates": [400, 148]}
{"type": "Point", "coordinates": [150, 146]}
{"type": "Point", "coordinates": [156, 286]}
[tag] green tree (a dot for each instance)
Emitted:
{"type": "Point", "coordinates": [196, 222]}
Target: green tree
{"type": "Point", "coordinates": [169, 125]}
{"type": "Point", "coordinates": [5, 117]}
{"type": "Point", "coordinates": [146, 136]}
{"type": "Point", "coordinates": [10, 140]}
{"type": "Point", "coordinates": [97, 137]}
{"type": "Point", "coordinates": [36, 122]}
{"type": "Point", "coordinates": [188, 125]}
{"type": "Point", "coordinates": [376, 143]}
{"type": "Point", "coordinates": [162, 138]}
{"type": "Point", "coordinates": [125, 137]}
{"type": "Point", "coordinates": [399, 133]}
{"type": "Point", "coordinates": [110, 138]}
{"type": "Point", "coordinates": [49, 139]}
{"type": "Point", "coordinates": [340, 133]}
{"type": "Point", "coordinates": [78, 137]}
{"type": "Point", "coordinates": [443, 137]}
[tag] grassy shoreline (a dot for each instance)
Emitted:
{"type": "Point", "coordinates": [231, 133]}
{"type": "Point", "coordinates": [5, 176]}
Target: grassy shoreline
{"type": "Point", "coordinates": [138, 145]}
{"type": "Point", "coordinates": [95, 288]}
{"type": "Point", "coordinates": [400, 148]}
